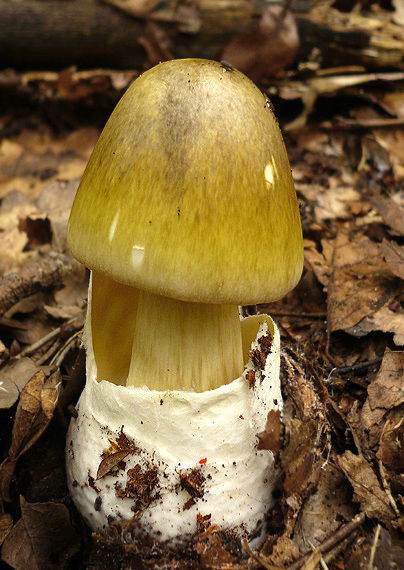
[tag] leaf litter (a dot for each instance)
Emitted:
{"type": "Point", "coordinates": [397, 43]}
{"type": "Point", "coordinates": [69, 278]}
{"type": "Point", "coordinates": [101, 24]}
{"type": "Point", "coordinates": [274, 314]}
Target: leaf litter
{"type": "Point", "coordinates": [339, 441]}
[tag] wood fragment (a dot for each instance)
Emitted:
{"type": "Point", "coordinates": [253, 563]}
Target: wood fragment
{"type": "Point", "coordinates": [344, 532]}
{"type": "Point", "coordinates": [44, 274]}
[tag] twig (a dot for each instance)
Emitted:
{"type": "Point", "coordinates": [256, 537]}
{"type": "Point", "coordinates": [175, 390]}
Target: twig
{"type": "Point", "coordinates": [374, 548]}
{"type": "Point", "coordinates": [341, 534]}
{"type": "Point", "coordinates": [285, 9]}
{"type": "Point", "coordinates": [365, 124]}
{"type": "Point", "coordinates": [29, 350]}
{"type": "Point", "coordinates": [44, 274]}
{"type": "Point", "coordinates": [59, 357]}
{"type": "Point", "coordinates": [355, 367]}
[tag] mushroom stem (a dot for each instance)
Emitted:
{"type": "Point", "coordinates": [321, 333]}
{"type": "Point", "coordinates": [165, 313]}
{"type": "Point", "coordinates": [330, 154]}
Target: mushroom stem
{"type": "Point", "coordinates": [179, 345]}
{"type": "Point", "coordinates": [138, 338]}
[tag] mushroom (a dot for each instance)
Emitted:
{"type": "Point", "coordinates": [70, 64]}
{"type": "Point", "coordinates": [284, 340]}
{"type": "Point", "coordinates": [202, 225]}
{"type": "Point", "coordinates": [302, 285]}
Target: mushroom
{"type": "Point", "coordinates": [186, 210]}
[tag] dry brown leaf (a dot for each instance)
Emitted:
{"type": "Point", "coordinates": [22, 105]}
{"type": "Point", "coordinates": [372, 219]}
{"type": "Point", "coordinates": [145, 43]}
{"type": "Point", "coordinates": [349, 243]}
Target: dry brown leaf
{"type": "Point", "coordinates": [34, 412]}
{"type": "Point", "coordinates": [392, 442]}
{"type": "Point", "coordinates": [394, 256]}
{"type": "Point", "coordinates": [367, 490]}
{"type": "Point", "coordinates": [384, 320]}
{"type": "Point", "coordinates": [384, 393]}
{"type": "Point", "coordinates": [43, 530]}
{"type": "Point", "coordinates": [267, 51]}
{"type": "Point", "coordinates": [13, 378]}
{"type": "Point", "coordinates": [110, 462]}
{"type": "Point", "coordinates": [324, 510]}
{"type": "Point", "coordinates": [6, 524]}
{"type": "Point", "coordinates": [391, 212]}
{"type": "Point", "coordinates": [362, 282]}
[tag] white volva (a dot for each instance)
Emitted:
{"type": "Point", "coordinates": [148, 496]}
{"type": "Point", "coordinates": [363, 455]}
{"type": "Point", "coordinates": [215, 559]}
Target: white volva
{"type": "Point", "coordinates": [183, 453]}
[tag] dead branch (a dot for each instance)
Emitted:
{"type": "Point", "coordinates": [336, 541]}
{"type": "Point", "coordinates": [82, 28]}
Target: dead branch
{"type": "Point", "coordinates": [44, 274]}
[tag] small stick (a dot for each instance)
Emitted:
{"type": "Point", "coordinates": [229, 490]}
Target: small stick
{"type": "Point", "coordinates": [355, 367]}
{"type": "Point", "coordinates": [341, 534]}
{"type": "Point", "coordinates": [29, 350]}
{"type": "Point", "coordinates": [44, 274]}
{"type": "Point", "coordinates": [374, 547]}
{"type": "Point", "coordinates": [57, 360]}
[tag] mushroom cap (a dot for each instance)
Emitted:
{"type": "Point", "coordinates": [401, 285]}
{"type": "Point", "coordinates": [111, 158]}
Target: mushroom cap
{"type": "Point", "coordinates": [189, 193]}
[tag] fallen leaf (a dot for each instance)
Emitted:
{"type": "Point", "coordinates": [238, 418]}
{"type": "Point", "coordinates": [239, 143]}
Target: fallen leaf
{"type": "Point", "coordinates": [6, 524]}
{"type": "Point", "coordinates": [384, 393]}
{"type": "Point", "coordinates": [267, 51]}
{"type": "Point", "coordinates": [367, 490]}
{"type": "Point", "coordinates": [392, 442]}
{"type": "Point", "coordinates": [384, 320]}
{"type": "Point", "coordinates": [394, 256]}
{"type": "Point", "coordinates": [391, 212]}
{"type": "Point", "coordinates": [13, 379]}
{"type": "Point", "coordinates": [43, 533]}
{"type": "Point", "coordinates": [325, 509]}
{"type": "Point", "coordinates": [34, 412]}
{"type": "Point", "coordinates": [110, 462]}
{"type": "Point", "coordinates": [362, 282]}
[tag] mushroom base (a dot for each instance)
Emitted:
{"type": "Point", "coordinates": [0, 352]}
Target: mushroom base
{"type": "Point", "coordinates": [167, 457]}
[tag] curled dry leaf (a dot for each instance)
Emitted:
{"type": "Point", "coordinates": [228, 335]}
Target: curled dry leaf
{"type": "Point", "coordinates": [34, 412]}
{"type": "Point", "coordinates": [43, 531]}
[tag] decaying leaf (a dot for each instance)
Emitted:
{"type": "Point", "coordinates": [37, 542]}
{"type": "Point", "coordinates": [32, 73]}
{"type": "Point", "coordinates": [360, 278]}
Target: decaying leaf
{"type": "Point", "coordinates": [367, 490]}
{"type": "Point", "coordinates": [43, 532]}
{"type": "Point", "coordinates": [362, 282]}
{"type": "Point", "coordinates": [34, 412]}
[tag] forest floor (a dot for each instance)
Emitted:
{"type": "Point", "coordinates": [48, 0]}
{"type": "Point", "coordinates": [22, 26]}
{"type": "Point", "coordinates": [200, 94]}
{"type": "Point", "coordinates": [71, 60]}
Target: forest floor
{"type": "Point", "coordinates": [341, 497]}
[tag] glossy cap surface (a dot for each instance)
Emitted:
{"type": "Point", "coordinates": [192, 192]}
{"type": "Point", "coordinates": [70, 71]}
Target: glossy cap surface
{"type": "Point", "coordinates": [189, 193]}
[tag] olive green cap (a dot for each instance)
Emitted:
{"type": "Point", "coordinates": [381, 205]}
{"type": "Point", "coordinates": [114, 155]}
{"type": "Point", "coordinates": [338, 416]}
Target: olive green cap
{"type": "Point", "coordinates": [189, 193]}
